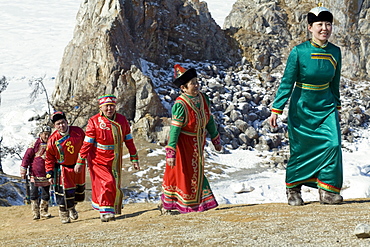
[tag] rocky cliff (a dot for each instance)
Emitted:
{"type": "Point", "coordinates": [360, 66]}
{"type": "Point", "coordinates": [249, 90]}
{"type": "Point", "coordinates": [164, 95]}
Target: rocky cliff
{"type": "Point", "coordinates": [267, 30]}
{"type": "Point", "coordinates": [115, 39]}
{"type": "Point", "coordinates": [129, 48]}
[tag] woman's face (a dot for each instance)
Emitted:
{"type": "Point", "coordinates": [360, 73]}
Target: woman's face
{"type": "Point", "coordinates": [321, 31]}
{"type": "Point", "coordinates": [191, 88]}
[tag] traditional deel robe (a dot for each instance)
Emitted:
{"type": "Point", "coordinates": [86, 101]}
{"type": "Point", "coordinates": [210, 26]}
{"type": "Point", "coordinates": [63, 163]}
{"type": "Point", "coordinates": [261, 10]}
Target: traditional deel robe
{"type": "Point", "coordinates": [34, 161]}
{"type": "Point", "coordinates": [103, 151]}
{"type": "Point", "coordinates": [61, 157]}
{"type": "Point", "coordinates": [185, 188]}
{"type": "Point", "coordinates": [311, 80]}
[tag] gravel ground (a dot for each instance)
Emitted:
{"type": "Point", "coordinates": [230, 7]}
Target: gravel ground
{"type": "Point", "coordinates": [141, 224]}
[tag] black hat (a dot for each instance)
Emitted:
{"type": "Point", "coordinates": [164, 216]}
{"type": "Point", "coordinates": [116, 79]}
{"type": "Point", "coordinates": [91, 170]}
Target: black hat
{"type": "Point", "coordinates": [183, 76]}
{"type": "Point", "coordinates": [319, 14]}
{"type": "Point", "coordinates": [57, 116]}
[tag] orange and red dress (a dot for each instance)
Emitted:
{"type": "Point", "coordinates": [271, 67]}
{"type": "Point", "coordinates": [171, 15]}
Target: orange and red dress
{"type": "Point", "coordinates": [185, 187]}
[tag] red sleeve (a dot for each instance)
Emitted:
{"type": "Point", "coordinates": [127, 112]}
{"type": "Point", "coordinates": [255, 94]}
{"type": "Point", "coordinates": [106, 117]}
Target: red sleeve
{"type": "Point", "coordinates": [88, 142]}
{"type": "Point", "coordinates": [28, 156]}
{"type": "Point", "coordinates": [129, 142]}
{"type": "Point", "coordinates": [51, 158]}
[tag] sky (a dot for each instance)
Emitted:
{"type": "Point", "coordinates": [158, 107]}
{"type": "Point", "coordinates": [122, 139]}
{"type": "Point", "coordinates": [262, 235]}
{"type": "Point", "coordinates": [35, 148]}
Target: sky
{"type": "Point", "coordinates": [33, 35]}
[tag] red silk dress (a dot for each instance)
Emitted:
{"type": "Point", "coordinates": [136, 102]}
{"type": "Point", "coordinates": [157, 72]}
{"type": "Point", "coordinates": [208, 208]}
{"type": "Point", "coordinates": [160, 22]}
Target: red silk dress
{"type": "Point", "coordinates": [185, 188]}
{"type": "Point", "coordinates": [61, 157]}
{"type": "Point", "coordinates": [103, 150]}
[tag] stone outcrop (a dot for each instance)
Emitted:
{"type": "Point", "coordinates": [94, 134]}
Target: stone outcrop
{"type": "Point", "coordinates": [114, 39]}
{"type": "Point", "coordinates": [128, 48]}
{"type": "Point", "coordinates": [12, 190]}
{"type": "Point", "coordinates": [267, 30]}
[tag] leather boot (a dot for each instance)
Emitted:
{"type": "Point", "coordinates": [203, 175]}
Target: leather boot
{"type": "Point", "coordinates": [35, 209]}
{"type": "Point", "coordinates": [64, 215]}
{"type": "Point", "coordinates": [44, 207]}
{"type": "Point", "coordinates": [327, 197]}
{"type": "Point", "coordinates": [294, 196]}
{"type": "Point", "coordinates": [73, 214]}
{"type": "Point", "coordinates": [165, 211]}
{"type": "Point", "coordinates": [107, 217]}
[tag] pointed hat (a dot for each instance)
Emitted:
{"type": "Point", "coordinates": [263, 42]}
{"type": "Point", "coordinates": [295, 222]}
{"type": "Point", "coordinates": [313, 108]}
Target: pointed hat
{"type": "Point", "coordinates": [182, 76]}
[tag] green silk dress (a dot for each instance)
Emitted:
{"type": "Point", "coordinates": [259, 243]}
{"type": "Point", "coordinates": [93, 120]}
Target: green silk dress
{"type": "Point", "coordinates": [311, 80]}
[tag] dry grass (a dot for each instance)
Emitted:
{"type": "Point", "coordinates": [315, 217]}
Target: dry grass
{"type": "Point", "coordinates": [272, 224]}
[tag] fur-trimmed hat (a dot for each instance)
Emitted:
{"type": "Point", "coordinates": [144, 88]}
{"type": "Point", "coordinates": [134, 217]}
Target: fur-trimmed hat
{"type": "Point", "coordinates": [183, 76]}
{"type": "Point", "coordinates": [44, 128]}
{"type": "Point", "coordinates": [57, 116]}
{"type": "Point", "coordinates": [319, 14]}
{"type": "Point", "coordinates": [107, 99]}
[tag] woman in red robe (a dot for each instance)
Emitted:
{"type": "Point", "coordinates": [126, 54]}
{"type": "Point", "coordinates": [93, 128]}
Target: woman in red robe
{"type": "Point", "coordinates": [185, 188]}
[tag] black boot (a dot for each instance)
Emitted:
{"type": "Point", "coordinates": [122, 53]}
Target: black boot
{"type": "Point", "coordinates": [294, 196]}
{"type": "Point", "coordinates": [327, 197]}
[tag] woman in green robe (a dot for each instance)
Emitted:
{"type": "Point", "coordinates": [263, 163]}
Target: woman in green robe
{"type": "Point", "coordinates": [311, 80]}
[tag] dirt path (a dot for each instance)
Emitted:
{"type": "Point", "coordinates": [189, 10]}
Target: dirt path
{"type": "Point", "coordinates": [272, 224]}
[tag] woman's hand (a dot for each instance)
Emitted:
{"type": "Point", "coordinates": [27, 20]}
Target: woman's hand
{"type": "Point", "coordinates": [218, 147]}
{"type": "Point", "coordinates": [136, 165]}
{"type": "Point", "coordinates": [171, 162]}
{"type": "Point", "coordinates": [273, 120]}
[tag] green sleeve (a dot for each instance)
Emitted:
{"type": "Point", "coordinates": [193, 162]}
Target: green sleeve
{"type": "Point", "coordinates": [177, 121]}
{"type": "Point", "coordinates": [287, 82]}
{"type": "Point", "coordinates": [335, 85]}
{"type": "Point", "coordinates": [211, 127]}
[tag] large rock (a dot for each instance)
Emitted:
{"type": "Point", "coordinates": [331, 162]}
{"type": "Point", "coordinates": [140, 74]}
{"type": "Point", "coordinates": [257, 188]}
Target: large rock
{"type": "Point", "coordinates": [267, 30]}
{"type": "Point", "coordinates": [111, 36]}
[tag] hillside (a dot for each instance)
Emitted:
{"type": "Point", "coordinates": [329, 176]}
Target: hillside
{"type": "Point", "coordinates": [141, 224]}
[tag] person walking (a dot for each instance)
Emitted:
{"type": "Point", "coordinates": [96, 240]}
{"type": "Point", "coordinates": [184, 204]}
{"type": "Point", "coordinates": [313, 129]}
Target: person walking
{"type": "Point", "coordinates": [185, 187]}
{"type": "Point", "coordinates": [102, 150]}
{"type": "Point", "coordinates": [61, 156]}
{"type": "Point", "coordinates": [311, 81]}
{"type": "Point", "coordinates": [34, 162]}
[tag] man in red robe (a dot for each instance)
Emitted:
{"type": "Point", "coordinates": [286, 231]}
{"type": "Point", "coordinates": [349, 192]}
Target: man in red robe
{"type": "Point", "coordinates": [103, 149]}
{"type": "Point", "coordinates": [61, 156]}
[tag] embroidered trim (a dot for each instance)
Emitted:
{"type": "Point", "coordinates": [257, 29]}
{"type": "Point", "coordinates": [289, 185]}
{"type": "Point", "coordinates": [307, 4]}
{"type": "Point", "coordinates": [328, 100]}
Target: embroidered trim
{"type": "Point", "coordinates": [277, 111]}
{"type": "Point", "coordinates": [104, 147]}
{"type": "Point", "coordinates": [325, 56]}
{"type": "Point", "coordinates": [170, 152]}
{"type": "Point", "coordinates": [216, 140]}
{"type": "Point", "coordinates": [311, 86]}
{"type": "Point", "coordinates": [89, 139]}
{"type": "Point", "coordinates": [317, 45]}
{"type": "Point", "coordinates": [128, 137]}
{"type": "Point", "coordinates": [102, 124]}
{"type": "Point", "coordinates": [319, 184]}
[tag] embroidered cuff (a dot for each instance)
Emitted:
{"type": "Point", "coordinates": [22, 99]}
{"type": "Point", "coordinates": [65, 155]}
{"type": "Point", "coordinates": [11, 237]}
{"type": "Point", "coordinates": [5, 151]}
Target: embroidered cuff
{"type": "Point", "coordinates": [277, 111]}
{"type": "Point", "coordinates": [216, 140]}
{"type": "Point", "coordinates": [134, 158]}
{"type": "Point", "coordinates": [81, 161]}
{"type": "Point", "coordinates": [170, 152]}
